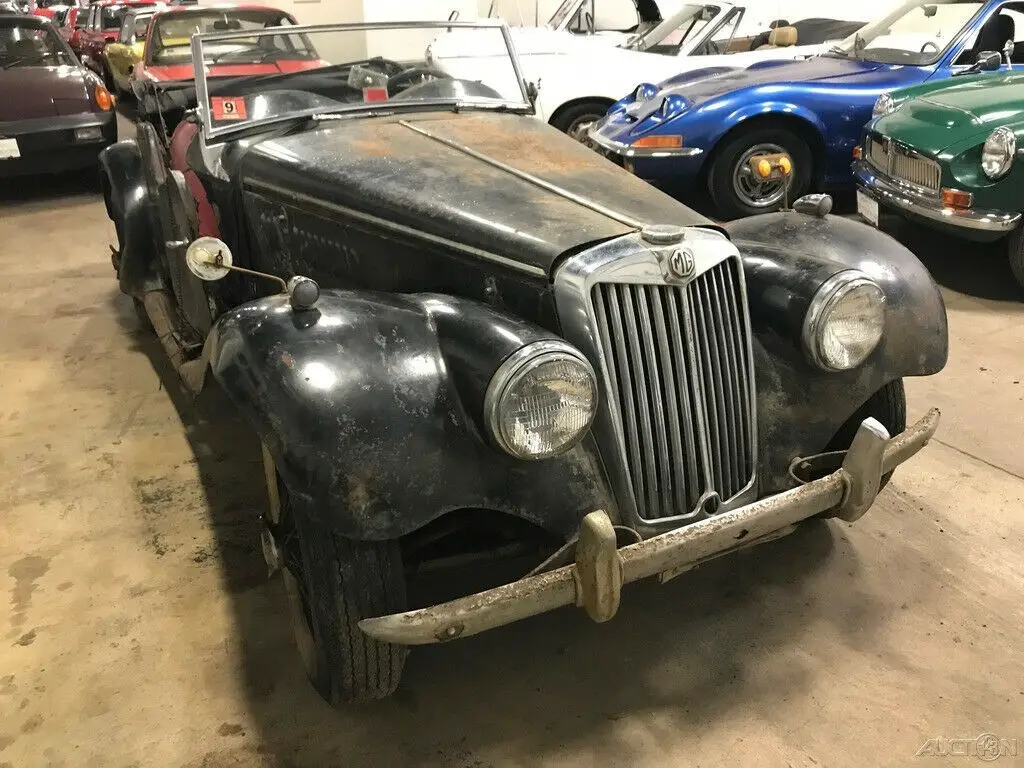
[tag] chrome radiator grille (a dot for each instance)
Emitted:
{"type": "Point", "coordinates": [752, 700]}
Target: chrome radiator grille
{"type": "Point", "coordinates": [899, 164]}
{"type": "Point", "coordinates": [679, 375]}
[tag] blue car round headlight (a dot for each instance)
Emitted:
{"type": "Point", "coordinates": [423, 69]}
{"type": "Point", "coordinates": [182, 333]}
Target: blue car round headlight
{"type": "Point", "coordinates": [644, 91]}
{"type": "Point", "coordinates": [673, 105]}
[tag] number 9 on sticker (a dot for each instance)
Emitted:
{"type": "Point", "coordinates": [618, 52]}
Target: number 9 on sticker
{"type": "Point", "coordinates": [227, 107]}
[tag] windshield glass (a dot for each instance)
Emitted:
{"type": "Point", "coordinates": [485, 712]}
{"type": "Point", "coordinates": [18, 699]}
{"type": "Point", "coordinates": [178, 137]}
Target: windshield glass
{"type": "Point", "coordinates": [916, 33]}
{"type": "Point", "coordinates": [22, 45]}
{"type": "Point", "coordinates": [348, 69]}
{"type": "Point", "coordinates": [172, 36]}
{"type": "Point", "coordinates": [139, 27]}
{"type": "Point", "coordinates": [681, 27]}
{"type": "Point", "coordinates": [111, 16]}
{"type": "Point", "coordinates": [562, 13]}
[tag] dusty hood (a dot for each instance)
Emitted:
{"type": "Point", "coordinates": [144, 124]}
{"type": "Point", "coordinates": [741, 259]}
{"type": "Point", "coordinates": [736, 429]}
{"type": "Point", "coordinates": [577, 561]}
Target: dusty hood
{"type": "Point", "coordinates": [379, 167]}
{"type": "Point", "coordinates": [940, 119]}
{"type": "Point", "coordinates": [33, 92]}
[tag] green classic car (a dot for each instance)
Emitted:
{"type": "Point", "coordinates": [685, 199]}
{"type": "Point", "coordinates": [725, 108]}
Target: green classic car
{"type": "Point", "coordinates": [946, 155]}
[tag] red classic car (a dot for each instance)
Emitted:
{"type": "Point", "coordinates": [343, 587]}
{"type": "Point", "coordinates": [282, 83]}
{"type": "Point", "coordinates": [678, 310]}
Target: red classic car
{"type": "Point", "coordinates": [168, 56]}
{"type": "Point", "coordinates": [71, 25]}
{"type": "Point", "coordinates": [102, 27]}
{"type": "Point", "coordinates": [54, 114]}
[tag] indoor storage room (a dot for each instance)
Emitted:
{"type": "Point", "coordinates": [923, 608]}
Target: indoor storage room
{"type": "Point", "coordinates": [471, 384]}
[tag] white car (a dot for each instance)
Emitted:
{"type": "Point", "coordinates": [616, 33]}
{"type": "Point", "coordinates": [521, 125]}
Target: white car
{"type": "Point", "coordinates": [578, 76]}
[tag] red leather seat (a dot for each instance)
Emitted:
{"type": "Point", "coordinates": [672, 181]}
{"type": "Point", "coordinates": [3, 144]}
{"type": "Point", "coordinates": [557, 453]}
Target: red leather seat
{"type": "Point", "coordinates": [187, 132]}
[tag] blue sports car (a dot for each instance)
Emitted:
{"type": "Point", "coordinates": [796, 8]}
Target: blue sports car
{"type": "Point", "coordinates": [715, 126]}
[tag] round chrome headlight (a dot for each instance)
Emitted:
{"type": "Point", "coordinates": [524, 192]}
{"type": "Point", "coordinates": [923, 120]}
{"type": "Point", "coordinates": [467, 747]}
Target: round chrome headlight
{"type": "Point", "coordinates": [997, 152]}
{"type": "Point", "coordinates": [541, 400]}
{"type": "Point", "coordinates": [884, 104]}
{"type": "Point", "coordinates": [845, 321]}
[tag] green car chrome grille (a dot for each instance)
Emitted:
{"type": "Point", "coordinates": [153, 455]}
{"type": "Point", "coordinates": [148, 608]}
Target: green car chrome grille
{"type": "Point", "coordinates": [903, 164]}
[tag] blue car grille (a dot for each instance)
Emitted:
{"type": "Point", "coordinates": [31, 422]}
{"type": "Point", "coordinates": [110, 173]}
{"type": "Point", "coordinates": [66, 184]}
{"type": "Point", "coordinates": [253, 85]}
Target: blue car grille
{"type": "Point", "coordinates": [903, 164]}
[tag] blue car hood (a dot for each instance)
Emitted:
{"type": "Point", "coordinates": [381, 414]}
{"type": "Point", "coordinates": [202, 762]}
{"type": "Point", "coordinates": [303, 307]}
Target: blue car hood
{"type": "Point", "coordinates": [699, 88]}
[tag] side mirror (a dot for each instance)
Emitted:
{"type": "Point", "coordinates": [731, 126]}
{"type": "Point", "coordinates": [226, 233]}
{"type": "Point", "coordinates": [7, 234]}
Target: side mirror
{"type": "Point", "coordinates": [708, 13]}
{"type": "Point", "coordinates": [532, 91]}
{"type": "Point", "coordinates": [209, 259]}
{"type": "Point", "coordinates": [989, 61]}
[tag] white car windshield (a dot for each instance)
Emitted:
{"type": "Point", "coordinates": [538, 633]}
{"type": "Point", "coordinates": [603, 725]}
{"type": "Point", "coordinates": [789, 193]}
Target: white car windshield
{"type": "Point", "coordinates": [916, 33]}
{"type": "Point", "coordinates": [563, 12]}
{"type": "Point", "coordinates": [683, 26]}
{"type": "Point", "coordinates": [348, 69]}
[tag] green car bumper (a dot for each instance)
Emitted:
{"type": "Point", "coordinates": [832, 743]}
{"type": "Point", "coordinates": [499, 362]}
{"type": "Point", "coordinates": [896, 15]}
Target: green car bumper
{"type": "Point", "coordinates": [927, 207]}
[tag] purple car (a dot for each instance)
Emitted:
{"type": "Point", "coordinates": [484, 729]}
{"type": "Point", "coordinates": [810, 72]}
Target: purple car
{"type": "Point", "coordinates": [55, 115]}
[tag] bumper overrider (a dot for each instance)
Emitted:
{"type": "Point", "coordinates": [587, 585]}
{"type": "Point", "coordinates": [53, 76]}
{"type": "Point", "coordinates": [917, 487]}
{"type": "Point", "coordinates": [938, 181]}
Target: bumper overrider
{"type": "Point", "coordinates": [594, 581]}
{"type": "Point", "coordinates": [906, 198]}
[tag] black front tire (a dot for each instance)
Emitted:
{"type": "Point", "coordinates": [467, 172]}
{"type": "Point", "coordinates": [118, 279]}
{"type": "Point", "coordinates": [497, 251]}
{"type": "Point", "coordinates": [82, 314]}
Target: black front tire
{"type": "Point", "coordinates": [575, 120]}
{"type": "Point", "coordinates": [1015, 252]}
{"type": "Point", "coordinates": [889, 406]}
{"type": "Point", "coordinates": [721, 181]}
{"type": "Point", "coordinates": [333, 583]}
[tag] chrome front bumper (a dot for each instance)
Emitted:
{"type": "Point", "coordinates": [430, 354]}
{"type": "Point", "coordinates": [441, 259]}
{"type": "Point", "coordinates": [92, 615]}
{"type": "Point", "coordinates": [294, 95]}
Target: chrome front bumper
{"type": "Point", "coordinates": [902, 197]}
{"type": "Point", "coordinates": [595, 580]}
{"type": "Point", "coordinates": [629, 151]}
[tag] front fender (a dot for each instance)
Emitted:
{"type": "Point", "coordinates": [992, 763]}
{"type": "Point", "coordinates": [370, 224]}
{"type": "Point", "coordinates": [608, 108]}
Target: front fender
{"type": "Point", "coordinates": [782, 108]}
{"type": "Point", "coordinates": [371, 408]}
{"type": "Point", "coordinates": [128, 204]}
{"type": "Point", "coordinates": [787, 256]}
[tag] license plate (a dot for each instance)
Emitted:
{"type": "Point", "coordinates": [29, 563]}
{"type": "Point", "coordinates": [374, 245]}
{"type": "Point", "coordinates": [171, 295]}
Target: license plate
{"type": "Point", "coordinates": [9, 149]}
{"type": "Point", "coordinates": [867, 208]}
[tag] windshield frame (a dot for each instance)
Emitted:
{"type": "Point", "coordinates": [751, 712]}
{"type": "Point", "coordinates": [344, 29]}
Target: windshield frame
{"type": "Point", "coordinates": [575, 5]}
{"type": "Point", "coordinates": [214, 135]}
{"type": "Point", "coordinates": [656, 34]}
{"type": "Point", "coordinates": [161, 16]}
{"type": "Point", "coordinates": [848, 46]}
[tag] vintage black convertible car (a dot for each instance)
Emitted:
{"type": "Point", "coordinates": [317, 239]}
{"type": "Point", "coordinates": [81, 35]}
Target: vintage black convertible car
{"type": "Point", "coordinates": [461, 334]}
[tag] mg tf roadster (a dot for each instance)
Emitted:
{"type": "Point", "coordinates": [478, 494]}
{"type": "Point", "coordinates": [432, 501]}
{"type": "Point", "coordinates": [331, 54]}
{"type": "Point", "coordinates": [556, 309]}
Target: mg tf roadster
{"type": "Point", "coordinates": [461, 335]}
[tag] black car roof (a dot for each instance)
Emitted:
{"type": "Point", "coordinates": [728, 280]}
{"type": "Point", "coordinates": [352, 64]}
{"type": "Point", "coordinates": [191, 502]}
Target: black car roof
{"type": "Point", "coordinates": [22, 18]}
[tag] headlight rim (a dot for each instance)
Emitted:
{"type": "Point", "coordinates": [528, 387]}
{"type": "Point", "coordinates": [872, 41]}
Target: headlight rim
{"type": "Point", "coordinates": [521, 362]}
{"type": "Point", "coordinates": [888, 104]}
{"type": "Point", "coordinates": [829, 292]}
{"type": "Point", "coordinates": [1010, 152]}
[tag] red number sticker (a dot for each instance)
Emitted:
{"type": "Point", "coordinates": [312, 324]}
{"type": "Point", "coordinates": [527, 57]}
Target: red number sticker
{"type": "Point", "coordinates": [375, 94]}
{"type": "Point", "coordinates": [228, 107]}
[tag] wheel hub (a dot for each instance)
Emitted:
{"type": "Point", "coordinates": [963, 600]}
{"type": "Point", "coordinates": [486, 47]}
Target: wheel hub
{"type": "Point", "coordinates": [762, 175]}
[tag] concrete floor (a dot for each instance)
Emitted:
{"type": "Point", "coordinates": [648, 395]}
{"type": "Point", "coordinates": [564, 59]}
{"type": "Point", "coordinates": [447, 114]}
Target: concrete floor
{"type": "Point", "coordinates": [142, 631]}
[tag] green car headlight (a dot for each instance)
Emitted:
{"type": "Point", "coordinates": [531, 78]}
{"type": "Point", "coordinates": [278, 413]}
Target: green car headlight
{"type": "Point", "coordinates": [884, 104]}
{"type": "Point", "coordinates": [541, 400]}
{"type": "Point", "coordinates": [997, 152]}
{"type": "Point", "coordinates": [845, 321]}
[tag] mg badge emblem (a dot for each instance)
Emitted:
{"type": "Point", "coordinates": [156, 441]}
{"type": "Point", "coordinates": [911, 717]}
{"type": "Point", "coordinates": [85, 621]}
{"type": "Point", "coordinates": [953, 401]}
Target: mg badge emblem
{"type": "Point", "coordinates": [681, 264]}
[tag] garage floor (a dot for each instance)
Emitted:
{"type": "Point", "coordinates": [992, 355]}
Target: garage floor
{"type": "Point", "coordinates": [142, 631]}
